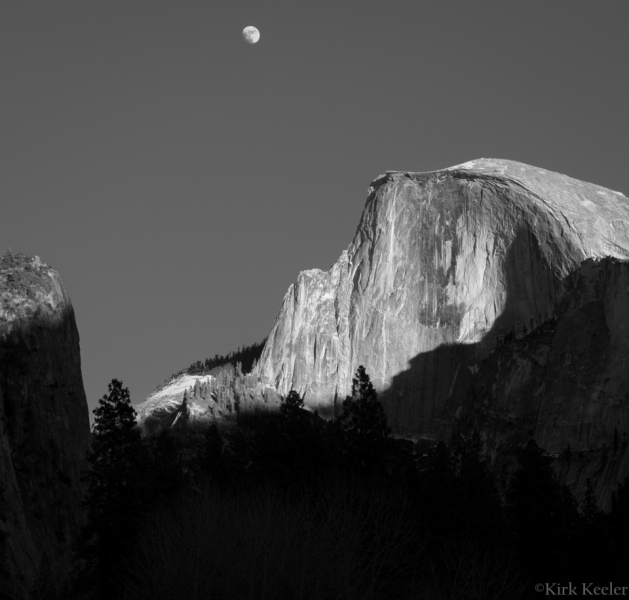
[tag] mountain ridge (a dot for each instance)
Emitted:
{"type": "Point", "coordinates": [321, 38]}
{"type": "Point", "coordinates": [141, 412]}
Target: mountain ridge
{"type": "Point", "coordinates": [366, 239]}
{"type": "Point", "coordinates": [445, 268]}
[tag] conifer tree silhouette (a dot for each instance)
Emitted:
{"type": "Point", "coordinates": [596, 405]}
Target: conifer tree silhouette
{"type": "Point", "coordinates": [113, 497]}
{"type": "Point", "coordinates": [363, 423]}
{"type": "Point", "coordinates": [291, 406]}
{"type": "Point", "coordinates": [543, 515]}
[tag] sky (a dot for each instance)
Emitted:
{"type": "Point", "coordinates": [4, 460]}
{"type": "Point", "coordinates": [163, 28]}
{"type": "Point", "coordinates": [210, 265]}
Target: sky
{"type": "Point", "coordinates": [179, 178]}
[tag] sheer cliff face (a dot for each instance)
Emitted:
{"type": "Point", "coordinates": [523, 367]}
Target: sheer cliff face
{"type": "Point", "coordinates": [44, 423]}
{"type": "Point", "coordinates": [567, 382]}
{"type": "Point", "coordinates": [445, 267]}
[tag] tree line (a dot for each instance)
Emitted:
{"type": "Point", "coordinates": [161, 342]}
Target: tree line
{"type": "Point", "coordinates": [288, 505]}
{"type": "Point", "coordinates": [247, 356]}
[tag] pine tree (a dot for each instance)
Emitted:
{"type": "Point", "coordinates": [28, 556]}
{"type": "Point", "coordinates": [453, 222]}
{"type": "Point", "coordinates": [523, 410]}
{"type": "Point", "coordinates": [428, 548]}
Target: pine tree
{"type": "Point", "coordinates": [543, 514]}
{"type": "Point", "coordinates": [594, 554]}
{"type": "Point", "coordinates": [291, 405]}
{"type": "Point", "coordinates": [363, 423]}
{"type": "Point", "coordinates": [457, 493]}
{"type": "Point", "coordinates": [113, 497]}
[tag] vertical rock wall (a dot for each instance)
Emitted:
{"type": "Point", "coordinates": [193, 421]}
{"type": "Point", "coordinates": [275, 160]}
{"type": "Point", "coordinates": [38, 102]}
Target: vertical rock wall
{"type": "Point", "coordinates": [443, 266]}
{"type": "Point", "coordinates": [566, 383]}
{"type": "Point", "coordinates": [44, 422]}
{"type": "Point", "coordinates": [309, 347]}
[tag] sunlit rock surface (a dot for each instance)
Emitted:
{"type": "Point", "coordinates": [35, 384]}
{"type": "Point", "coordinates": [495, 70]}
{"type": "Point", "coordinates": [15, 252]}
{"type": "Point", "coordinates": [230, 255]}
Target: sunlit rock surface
{"type": "Point", "coordinates": [195, 401]}
{"type": "Point", "coordinates": [165, 408]}
{"type": "Point", "coordinates": [44, 423]}
{"type": "Point", "coordinates": [445, 268]}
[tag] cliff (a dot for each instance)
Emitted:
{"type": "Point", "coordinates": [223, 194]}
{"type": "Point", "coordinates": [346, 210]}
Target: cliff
{"type": "Point", "coordinates": [44, 423]}
{"type": "Point", "coordinates": [566, 382]}
{"type": "Point", "coordinates": [446, 270]}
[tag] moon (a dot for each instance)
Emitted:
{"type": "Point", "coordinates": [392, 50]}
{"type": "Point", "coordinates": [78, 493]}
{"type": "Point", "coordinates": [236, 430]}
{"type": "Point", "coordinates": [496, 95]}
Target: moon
{"type": "Point", "coordinates": [251, 34]}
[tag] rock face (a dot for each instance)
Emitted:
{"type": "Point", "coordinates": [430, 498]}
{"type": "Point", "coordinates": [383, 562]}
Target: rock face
{"type": "Point", "coordinates": [449, 273]}
{"type": "Point", "coordinates": [44, 423]}
{"type": "Point", "coordinates": [195, 401]}
{"type": "Point", "coordinates": [186, 401]}
{"type": "Point", "coordinates": [567, 382]}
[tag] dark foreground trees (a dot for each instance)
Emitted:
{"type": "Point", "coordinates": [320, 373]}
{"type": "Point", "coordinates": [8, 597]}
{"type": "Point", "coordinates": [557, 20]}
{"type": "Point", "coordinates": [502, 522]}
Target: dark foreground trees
{"type": "Point", "coordinates": [366, 435]}
{"type": "Point", "coordinates": [127, 476]}
{"type": "Point", "coordinates": [113, 500]}
{"type": "Point", "coordinates": [288, 505]}
{"type": "Point", "coordinates": [543, 515]}
{"type": "Point", "coordinates": [333, 537]}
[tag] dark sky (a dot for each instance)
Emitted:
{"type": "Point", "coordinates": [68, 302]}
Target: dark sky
{"type": "Point", "coordinates": [179, 178]}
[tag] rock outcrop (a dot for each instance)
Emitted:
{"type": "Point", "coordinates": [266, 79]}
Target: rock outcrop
{"type": "Point", "coordinates": [44, 424]}
{"type": "Point", "coordinates": [194, 401]}
{"type": "Point", "coordinates": [449, 273]}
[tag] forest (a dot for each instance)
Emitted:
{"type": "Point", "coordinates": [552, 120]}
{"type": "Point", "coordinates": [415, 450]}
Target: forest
{"type": "Point", "coordinates": [247, 357]}
{"type": "Point", "coordinates": [289, 505]}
